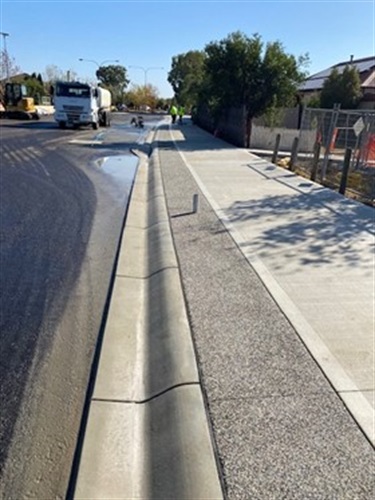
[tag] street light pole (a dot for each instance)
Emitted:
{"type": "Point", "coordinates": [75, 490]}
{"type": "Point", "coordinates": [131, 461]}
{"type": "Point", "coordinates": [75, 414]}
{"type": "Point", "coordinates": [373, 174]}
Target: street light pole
{"type": "Point", "coordinates": [4, 35]}
{"type": "Point", "coordinates": [146, 70]}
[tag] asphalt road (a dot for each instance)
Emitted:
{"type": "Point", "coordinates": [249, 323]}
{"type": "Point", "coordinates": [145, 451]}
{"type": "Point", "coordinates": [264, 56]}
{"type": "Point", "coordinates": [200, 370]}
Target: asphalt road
{"type": "Point", "coordinates": [64, 195]}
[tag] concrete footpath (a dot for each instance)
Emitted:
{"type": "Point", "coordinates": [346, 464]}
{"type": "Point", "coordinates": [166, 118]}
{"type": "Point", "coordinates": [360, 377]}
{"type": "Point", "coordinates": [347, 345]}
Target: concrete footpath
{"type": "Point", "coordinates": [244, 365]}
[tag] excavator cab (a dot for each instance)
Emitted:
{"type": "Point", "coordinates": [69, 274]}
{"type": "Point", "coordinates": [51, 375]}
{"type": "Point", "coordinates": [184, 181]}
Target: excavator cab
{"type": "Point", "coordinates": [17, 103]}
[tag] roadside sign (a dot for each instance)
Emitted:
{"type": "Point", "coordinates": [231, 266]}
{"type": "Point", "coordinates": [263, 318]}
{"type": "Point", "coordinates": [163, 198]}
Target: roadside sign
{"type": "Point", "coordinates": [358, 126]}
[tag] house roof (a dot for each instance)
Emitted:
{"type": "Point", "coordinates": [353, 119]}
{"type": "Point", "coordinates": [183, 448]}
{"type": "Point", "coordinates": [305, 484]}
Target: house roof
{"type": "Point", "coordinates": [365, 67]}
{"type": "Point", "coordinates": [19, 76]}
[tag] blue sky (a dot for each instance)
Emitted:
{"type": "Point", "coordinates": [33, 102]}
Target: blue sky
{"type": "Point", "coordinates": [149, 33]}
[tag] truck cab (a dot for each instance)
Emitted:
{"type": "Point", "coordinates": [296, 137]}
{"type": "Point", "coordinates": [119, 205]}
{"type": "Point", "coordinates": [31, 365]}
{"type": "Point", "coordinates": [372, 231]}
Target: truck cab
{"type": "Point", "coordinates": [79, 104]}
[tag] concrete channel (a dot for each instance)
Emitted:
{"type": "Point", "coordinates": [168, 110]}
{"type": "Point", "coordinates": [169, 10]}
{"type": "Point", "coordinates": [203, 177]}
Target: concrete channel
{"type": "Point", "coordinates": [147, 435]}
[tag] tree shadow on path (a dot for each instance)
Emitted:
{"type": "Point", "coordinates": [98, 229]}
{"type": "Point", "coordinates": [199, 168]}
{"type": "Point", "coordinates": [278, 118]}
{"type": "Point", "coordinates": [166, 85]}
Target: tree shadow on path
{"type": "Point", "coordinates": [316, 228]}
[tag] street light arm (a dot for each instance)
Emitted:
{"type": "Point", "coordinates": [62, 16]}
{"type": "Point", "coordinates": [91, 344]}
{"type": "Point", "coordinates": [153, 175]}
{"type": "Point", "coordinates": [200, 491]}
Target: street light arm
{"type": "Point", "coordinates": [138, 67]}
{"type": "Point", "coordinates": [155, 67]}
{"type": "Point", "coordinates": [95, 62]}
{"type": "Point", "coordinates": [89, 60]}
{"type": "Point", "coordinates": [109, 60]}
{"type": "Point", "coordinates": [146, 70]}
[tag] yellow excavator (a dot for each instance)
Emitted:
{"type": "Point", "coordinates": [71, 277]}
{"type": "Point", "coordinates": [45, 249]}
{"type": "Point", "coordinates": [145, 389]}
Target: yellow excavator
{"type": "Point", "coordinates": [17, 104]}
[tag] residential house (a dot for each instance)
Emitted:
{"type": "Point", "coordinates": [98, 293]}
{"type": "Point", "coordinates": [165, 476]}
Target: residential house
{"type": "Point", "coordinates": [366, 69]}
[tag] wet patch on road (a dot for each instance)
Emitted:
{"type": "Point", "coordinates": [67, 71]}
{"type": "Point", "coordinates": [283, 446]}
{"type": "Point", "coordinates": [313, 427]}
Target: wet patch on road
{"type": "Point", "coordinates": [120, 167]}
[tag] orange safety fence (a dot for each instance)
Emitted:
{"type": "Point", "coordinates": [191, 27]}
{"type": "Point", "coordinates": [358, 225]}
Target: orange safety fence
{"type": "Point", "coordinates": [369, 155]}
{"type": "Point", "coordinates": [333, 140]}
{"type": "Point", "coordinates": [319, 139]}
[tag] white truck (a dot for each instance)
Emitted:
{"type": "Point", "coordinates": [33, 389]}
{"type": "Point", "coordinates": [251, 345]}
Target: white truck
{"type": "Point", "coordinates": [81, 104]}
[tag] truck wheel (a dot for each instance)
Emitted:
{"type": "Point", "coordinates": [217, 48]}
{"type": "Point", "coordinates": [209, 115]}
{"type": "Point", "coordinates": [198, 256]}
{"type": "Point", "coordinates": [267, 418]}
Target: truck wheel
{"type": "Point", "coordinates": [104, 122]}
{"type": "Point", "coordinates": [62, 124]}
{"type": "Point", "coordinates": [95, 125]}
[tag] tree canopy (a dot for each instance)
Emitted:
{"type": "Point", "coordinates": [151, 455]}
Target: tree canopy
{"type": "Point", "coordinates": [238, 71]}
{"type": "Point", "coordinates": [115, 79]}
{"type": "Point", "coordinates": [53, 74]}
{"type": "Point", "coordinates": [142, 95]}
{"type": "Point", "coordinates": [341, 88]}
{"type": "Point", "coordinates": [35, 86]}
{"type": "Point", "coordinates": [186, 76]}
{"type": "Point", "coordinates": [8, 66]}
{"type": "Point", "coordinates": [242, 72]}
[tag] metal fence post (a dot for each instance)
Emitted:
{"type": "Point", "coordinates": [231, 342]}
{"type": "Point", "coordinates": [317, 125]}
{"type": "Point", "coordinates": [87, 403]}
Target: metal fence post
{"type": "Point", "coordinates": [333, 124]}
{"type": "Point", "coordinates": [301, 115]}
{"type": "Point", "coordinates": [276, 149]}
{"type": "Point", "coordinates": [315, 162]}
{"type": "Point", "coordinates": [345, 170]}
{"type": "Point", "coordinates": [293, 154]}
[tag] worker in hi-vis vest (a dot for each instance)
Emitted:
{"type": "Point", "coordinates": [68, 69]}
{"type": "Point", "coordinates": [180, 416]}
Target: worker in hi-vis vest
{"type": "Point", "coordinates": [181, 112]}
{"type": "Point", "coordinates": [173, 112]}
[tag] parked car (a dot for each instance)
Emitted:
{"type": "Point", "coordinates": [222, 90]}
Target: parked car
{"type": "Point", "coordinates": [122, 107]}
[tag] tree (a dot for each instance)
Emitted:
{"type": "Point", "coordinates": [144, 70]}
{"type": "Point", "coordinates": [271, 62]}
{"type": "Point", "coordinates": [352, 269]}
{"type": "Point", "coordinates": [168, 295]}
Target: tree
{"type": "Point", "coordinates": [186, 76]}
{"type": "Point", "coordinates": [53, 74]}
{"type": "Point", "coordinates": [35, 88]}
{"type": "Point", "coordinates": [344, 89]}
{"type": "Point", "coordinates": [9, 67]}
{"type": "Point", "coordinates": [163, 103]}
{"type": "Point", "coordinates": [313, 101]}
{"type": "Point", "coordinates": [114, 78]}
{"type": "Point", "coordinates": [241, 72]}
{"type": "Point", "coordinates": [142, 95]}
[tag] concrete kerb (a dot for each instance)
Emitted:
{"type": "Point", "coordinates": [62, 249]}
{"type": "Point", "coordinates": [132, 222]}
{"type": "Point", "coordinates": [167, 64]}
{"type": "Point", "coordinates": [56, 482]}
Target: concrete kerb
{"type": "Point", "coordinates": [147, 434]}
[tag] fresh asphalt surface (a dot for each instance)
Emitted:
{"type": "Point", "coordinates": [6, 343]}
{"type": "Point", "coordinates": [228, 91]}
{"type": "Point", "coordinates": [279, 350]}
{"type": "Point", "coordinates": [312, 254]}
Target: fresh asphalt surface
{"type": "Point", "coordinates": [280, 429]}
{"type": "Point", "coordinates": [63, 200]}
